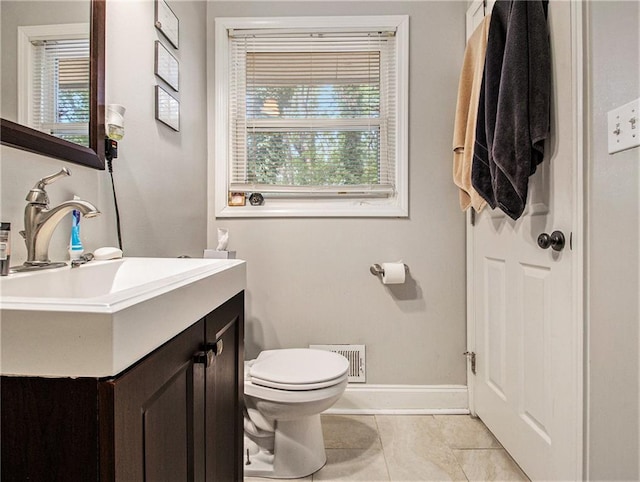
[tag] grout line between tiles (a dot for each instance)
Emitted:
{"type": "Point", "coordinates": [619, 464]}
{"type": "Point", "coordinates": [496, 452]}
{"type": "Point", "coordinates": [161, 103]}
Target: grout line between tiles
{"type": "Point", "coordinates": [461, 449]}
{"type": "Point", "coordinates": [384, 453]}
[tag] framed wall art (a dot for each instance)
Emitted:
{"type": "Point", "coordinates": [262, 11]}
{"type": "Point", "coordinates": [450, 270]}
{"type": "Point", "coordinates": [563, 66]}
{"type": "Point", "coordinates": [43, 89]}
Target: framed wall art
{"type": "Point", "coordinates": [167, 109]}
{"type": "Point", "coordinates": [167, 22]}
{"type": "Point", "coordinates": [167, 67]}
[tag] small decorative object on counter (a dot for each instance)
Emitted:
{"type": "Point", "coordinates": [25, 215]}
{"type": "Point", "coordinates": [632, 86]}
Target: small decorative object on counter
{"type": "Point", "coordinates": [5, 248]}
{"type": "Point", "coordinates": [236, 199]}
{"type": "Point", "coordinates": [256, 199]}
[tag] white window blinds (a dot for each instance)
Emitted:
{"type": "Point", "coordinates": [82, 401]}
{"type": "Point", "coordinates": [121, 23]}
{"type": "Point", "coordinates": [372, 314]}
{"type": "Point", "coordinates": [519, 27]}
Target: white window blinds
{"type": "Point", "coordinates": [60, 88]}
{"type": "Point", "coordinates": [312, 113]}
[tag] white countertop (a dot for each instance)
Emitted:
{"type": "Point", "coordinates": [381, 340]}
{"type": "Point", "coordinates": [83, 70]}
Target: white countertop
{"type": "Point", "coordinates": [100, 318]}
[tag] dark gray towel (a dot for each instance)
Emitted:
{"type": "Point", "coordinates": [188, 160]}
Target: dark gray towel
{"type": "Point", "coordinates": [480, 165]}
{"type": "Point", "coordinates": [483, 167]}
{"type": "Point", "coordinates": [514, 104]}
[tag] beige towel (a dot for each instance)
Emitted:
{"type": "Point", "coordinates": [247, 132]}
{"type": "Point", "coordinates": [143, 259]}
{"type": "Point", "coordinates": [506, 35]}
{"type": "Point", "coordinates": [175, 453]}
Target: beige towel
{"type": "Point", "coordinates": [466, 114]}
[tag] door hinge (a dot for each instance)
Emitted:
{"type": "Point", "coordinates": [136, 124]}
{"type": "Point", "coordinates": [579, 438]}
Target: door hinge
{"type": "Point", "coordinates": [472, 216]}
{"type": "Point", "coordinates": [471, 357]}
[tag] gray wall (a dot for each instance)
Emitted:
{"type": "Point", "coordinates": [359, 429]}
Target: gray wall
{"type": "Point", "coordinates": [613, 224]}
{"type": "Point", "coordinates": [20, 170]}
{"type": "Point", "coordinates": [309, 280]}
{"type": "Point", "coordinates": [160, 174]}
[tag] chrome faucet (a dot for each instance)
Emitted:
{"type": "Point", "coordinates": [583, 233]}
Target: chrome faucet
{"type": "Point", "coordinates": [40, 222]}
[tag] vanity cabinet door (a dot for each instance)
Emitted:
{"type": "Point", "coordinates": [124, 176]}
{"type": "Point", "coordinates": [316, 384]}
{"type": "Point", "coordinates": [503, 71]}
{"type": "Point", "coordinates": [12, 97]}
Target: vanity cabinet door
{"type": "Point", "coordinates": [224, 392]}
{"type": "Point", "coordinates": [154, 424]}
{"type": "Point", "coordinates": [49, 429]}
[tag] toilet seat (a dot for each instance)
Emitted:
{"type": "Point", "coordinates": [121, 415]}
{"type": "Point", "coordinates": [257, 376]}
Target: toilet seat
{"type": "Point", "coordinates": [297, 369]}
{"type": "Point", "coordinates": [296, 386]}
{"type": "Point", "coordinates": [294, 396]}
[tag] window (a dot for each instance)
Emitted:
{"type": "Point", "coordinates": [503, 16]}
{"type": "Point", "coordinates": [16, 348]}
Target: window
{"type": "Point", "coordinates": [311, 114]}
{"type": "Point", "coordinates": [54, 84]}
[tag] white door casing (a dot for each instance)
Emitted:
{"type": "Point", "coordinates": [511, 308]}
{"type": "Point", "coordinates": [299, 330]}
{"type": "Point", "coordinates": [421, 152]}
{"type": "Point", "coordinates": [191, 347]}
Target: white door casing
{"type": "Point", "coordinates": [525, 303]}
{"type": "Point", "coordinates": [474, 16]}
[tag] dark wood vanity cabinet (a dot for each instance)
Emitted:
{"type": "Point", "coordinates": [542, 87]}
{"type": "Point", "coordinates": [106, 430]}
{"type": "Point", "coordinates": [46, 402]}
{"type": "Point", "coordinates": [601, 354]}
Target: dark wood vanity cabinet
{"type": "Point", "coordinates": [174, 416]}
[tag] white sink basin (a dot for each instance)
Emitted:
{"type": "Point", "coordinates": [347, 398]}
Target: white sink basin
{"type": "Point", "coordinates": [100, 318]}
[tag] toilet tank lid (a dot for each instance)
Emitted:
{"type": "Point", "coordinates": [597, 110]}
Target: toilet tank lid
{"type": "Point", "coordinates": [298, 365]}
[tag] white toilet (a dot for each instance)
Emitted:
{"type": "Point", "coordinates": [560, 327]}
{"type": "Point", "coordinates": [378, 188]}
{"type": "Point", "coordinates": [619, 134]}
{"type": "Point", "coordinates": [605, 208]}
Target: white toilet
{"type": "Point", "coordinates": [284, 393]}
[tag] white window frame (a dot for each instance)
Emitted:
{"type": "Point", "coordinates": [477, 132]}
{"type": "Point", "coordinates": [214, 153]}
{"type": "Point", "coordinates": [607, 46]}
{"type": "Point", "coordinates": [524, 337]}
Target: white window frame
{"type": "Point", "coordinates": [396, 205]}
{"type": "Point", "coordinates": [27, 35]}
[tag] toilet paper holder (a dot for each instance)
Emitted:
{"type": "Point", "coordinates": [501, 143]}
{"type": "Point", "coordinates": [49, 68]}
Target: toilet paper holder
{"type": "Point", "coordinates": [377, 270]}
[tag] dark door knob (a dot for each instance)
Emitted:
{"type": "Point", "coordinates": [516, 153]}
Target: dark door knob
{"type": "Point", "coordinates": [555, 240]}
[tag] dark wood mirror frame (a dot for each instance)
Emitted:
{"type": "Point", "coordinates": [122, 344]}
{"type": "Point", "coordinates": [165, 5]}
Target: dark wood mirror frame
{"type": "Point", "coordinates": [28, 139]}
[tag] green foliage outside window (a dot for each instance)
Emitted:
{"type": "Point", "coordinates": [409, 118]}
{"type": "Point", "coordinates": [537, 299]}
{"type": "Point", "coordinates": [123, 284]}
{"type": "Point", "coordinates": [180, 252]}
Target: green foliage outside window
{"type": "Point", "coordinates": [324, 155]}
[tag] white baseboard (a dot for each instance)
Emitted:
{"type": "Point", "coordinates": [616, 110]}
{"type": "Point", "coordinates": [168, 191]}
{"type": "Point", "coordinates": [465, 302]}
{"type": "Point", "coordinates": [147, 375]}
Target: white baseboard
{"type": "Point", "coordinates": [402, 399]}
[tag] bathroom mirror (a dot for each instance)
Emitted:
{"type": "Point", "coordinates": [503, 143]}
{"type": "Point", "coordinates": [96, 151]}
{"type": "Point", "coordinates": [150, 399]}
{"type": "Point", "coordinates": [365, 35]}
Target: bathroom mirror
{"type": "Point", "coordinates": [27, 138]}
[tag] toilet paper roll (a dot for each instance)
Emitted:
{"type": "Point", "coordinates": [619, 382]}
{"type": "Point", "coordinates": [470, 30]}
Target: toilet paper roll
{"type": "Point", "coordinates": [393, 273]}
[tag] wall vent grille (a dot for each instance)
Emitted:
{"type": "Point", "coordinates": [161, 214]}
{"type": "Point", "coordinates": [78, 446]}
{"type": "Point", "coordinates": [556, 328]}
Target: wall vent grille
{"type": "Point", "coordinates": [356, 356]}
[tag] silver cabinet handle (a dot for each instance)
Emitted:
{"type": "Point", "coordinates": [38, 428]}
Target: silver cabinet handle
{"type": "Point", "coordinates": [217, 347]}
{"type": "Point", "coordinates": [211, 350]}
{"type": "Point", "coordinates": [204, 357]}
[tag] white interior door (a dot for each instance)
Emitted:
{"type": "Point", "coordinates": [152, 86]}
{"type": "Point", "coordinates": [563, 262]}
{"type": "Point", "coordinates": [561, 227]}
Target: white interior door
{"type": "Point", "coordinates": [523, 298]}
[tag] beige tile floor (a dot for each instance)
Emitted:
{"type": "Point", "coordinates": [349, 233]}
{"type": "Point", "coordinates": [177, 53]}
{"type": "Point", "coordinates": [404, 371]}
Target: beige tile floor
{"type": "Point", "coordinates": [375, 448]}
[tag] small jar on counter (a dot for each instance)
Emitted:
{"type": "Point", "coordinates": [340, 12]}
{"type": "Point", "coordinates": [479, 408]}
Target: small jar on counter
{"type": "Point", "coordinates": [5, 248]}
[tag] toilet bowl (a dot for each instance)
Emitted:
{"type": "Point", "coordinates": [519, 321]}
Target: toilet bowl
{"type": "Point", "coordinates": [285, 391]}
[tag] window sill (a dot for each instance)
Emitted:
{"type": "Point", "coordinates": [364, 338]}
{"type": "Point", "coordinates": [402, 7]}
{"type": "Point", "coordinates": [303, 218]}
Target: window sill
{"type": "Point", "coordinates": [332, 208]}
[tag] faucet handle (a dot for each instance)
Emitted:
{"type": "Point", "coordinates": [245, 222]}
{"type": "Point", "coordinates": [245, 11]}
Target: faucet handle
{"type": "Point", "coordinates": [64, 172]}
{"type": "Point", "coordinates": [38, 195]}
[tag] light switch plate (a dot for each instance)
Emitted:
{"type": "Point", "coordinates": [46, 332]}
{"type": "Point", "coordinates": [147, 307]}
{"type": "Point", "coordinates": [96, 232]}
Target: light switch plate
{"type": "Point", "coordinates": [624, 127]}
